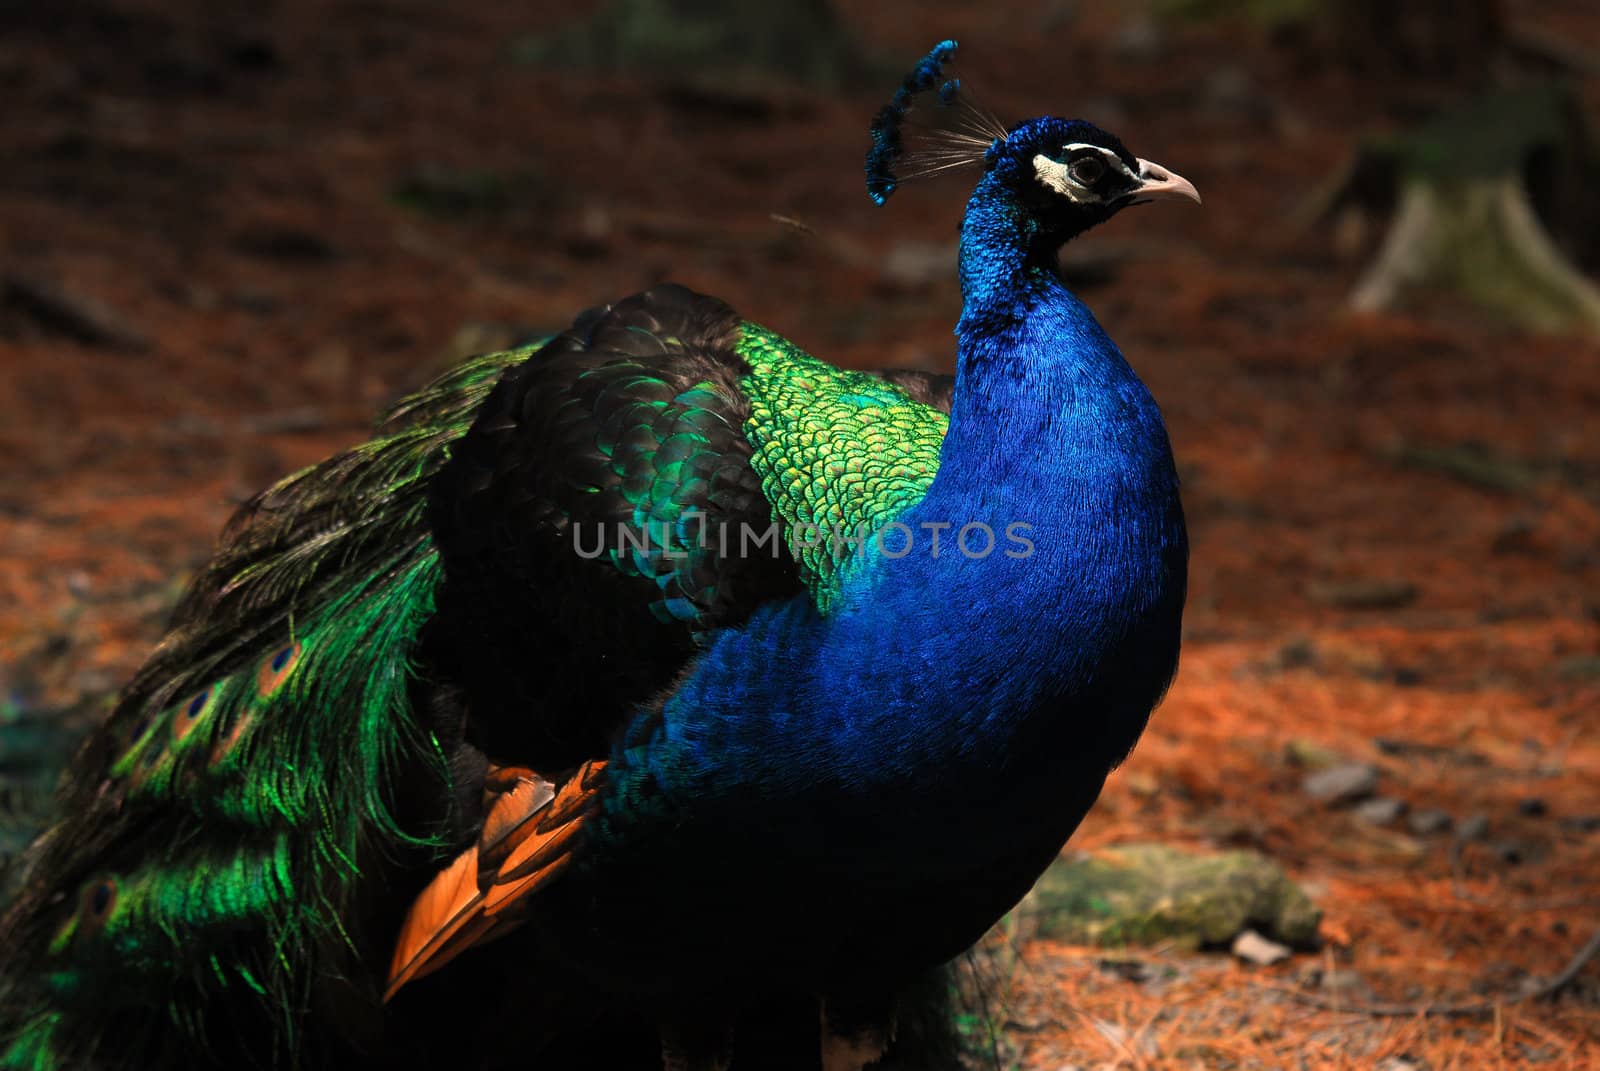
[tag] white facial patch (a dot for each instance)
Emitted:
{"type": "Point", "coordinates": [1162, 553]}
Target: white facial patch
{"type": "Point", "coordinates": [1057, 177]}
{"type": "Point", "coordinates": [1054, 175]}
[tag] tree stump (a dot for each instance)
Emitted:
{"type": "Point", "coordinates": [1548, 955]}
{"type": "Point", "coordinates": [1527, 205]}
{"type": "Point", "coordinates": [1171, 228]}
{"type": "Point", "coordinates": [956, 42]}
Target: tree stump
{"type": "Point", "coordinates": [1481, 208]}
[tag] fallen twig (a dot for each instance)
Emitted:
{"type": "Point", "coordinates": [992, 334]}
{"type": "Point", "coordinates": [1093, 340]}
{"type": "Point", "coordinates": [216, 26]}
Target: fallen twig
{"type": "Point", "coordinates": [75, 315]}
{"type": "Point", "coordinates": [1479, 1007]}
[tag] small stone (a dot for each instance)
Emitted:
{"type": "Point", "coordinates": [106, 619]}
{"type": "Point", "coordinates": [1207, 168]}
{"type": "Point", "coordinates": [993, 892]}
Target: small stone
{"type": "Point", "coordinates": [1381, 810]}
{"type": "Point", "coordinates": [1251, 947]}
{"type": "Point", "coordinates": [1129, 970]}
{"type": "Point", "coordinates": [1397, 1063]}
{"type": "Point", "coordinates": [1310, 755]}
{"type": "Point", "coordinates": [1345, 783]}
{"type": "Point", "coordinates": [1473, 827]}
{"type": "Point", "coordinates": [1509, 852]}
{"type": "Point", "coordinates": [1429, 821]}
{"type": "Point", "coordinates": [1581, 823]}
{"type": "Point", "coordinates": [1532, 807]}
{"type": "Point", "coordinates": [1298, 653]}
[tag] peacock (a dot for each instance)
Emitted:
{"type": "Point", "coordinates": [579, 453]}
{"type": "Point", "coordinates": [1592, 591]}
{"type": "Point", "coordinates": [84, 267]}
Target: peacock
{"type": "Point", "coordinates": [653, 692]}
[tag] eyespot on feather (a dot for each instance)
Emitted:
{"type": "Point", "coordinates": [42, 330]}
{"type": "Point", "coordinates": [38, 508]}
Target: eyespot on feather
{"type": "Point", "coordinates": [230, 733]}
{"type": "Point", "coordinates": [191, 714]}
{"type": "Point", "coordinates": [95, 904]}
{"type": "Point", "coordinates": [137, 739]}
{"type": "Point", "coordinates": [140, 728]}
{"type": "Point", "coordinates": [154, 750]}
{"type": "Point", "coordinates": [276, 669]}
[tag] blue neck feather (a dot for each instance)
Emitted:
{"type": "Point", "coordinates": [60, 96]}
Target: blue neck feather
{"type": "Point", "coordinates": [943, 677]}
{"type": "Point", "coordinates": [1051, 429]}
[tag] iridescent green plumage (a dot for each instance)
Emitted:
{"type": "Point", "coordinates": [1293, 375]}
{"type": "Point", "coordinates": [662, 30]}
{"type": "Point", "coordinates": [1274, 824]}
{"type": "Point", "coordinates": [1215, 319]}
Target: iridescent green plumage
{"type": "Point", "coordinates": [663, 451]}
{"type": "Point", "coordinates": [840, 453]}
{"type": "Point", "coordinates": [218, 823]}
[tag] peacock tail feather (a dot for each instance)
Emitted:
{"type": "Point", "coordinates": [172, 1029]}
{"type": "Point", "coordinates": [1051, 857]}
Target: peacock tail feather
{"type": "Point", "coordinates": [248, 775]}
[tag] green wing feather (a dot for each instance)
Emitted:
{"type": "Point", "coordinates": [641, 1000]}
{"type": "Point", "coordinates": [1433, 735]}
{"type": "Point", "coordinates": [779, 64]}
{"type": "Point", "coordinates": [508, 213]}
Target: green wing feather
{"type": "Point", "coordinates": [212, 827]}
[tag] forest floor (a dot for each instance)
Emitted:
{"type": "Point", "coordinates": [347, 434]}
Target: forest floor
{"type": "Point", "coordinates": [226, 243]}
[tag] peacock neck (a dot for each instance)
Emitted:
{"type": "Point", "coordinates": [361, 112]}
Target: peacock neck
{"type": "Point", "coordinates": [1006, 261]}
{"type": "Point", "coordinates": [1058, 449]}
{"type": "Point", "coordinates": [1043, 398]}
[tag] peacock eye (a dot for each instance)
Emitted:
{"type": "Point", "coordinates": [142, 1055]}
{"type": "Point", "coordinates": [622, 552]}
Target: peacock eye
{"type": "Point", "coordinates": [1087, 170]}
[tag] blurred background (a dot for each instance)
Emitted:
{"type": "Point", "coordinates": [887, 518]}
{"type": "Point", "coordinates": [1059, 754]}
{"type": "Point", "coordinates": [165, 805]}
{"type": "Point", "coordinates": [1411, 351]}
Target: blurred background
{"type": "Point", "coordinates": [231, 233]}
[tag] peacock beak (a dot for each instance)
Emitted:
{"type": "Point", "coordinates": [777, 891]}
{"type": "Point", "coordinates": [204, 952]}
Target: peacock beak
{"type": "Point", "coordinates": [1159, 184]}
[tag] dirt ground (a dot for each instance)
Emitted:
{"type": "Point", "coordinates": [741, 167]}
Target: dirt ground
{"type": "Point", "coordinates": [268, 221]}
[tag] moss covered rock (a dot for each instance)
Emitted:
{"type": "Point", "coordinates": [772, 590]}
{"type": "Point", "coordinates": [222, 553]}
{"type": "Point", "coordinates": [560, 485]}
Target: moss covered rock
{"type": "Point", "coordinates": [1151, 893]}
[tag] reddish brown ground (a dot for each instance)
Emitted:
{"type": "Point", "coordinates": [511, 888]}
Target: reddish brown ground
{"type": "Point", "coordinates": [238, 214]}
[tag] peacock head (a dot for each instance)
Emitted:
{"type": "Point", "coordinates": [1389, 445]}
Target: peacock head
{"type": "Point", "coordinates": [1064, 175]}
{"type": "Point", "coordinates": [1067, 175]}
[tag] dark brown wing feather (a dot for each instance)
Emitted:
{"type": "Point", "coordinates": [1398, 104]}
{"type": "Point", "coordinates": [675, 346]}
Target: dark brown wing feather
{"type": "Point", "coordinates": [633, 412]}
